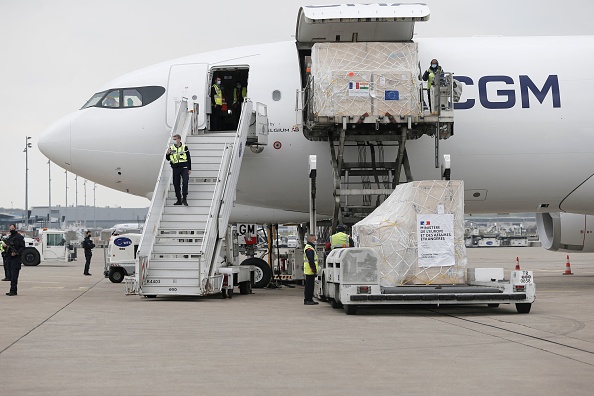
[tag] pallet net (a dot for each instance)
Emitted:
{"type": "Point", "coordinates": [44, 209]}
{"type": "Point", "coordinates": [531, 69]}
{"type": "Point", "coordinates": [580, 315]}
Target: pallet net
{"type": "Point", "coordinates": [391, 230]}
{"type": "Point", "coordinates": [351, 79]}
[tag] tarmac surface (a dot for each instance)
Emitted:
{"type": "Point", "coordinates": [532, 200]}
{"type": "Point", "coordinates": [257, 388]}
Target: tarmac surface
{"type": "Point", "coordinates": [68, 334]}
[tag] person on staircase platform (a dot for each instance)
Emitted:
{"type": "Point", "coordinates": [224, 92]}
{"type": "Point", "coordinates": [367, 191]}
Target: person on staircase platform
{"type": "Point", "coordinates": [178, 156]}
{"type": "Point", "coordinates": [431, 75]}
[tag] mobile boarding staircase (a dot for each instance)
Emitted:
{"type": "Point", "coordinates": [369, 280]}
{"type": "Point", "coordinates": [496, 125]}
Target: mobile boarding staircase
{"type": "Point", "coordinates": [364, 95]}
{"type": "Point", "coordinates": [179, 250]}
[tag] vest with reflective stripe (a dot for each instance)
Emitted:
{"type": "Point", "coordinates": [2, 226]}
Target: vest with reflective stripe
{"type": "Point", "coordinates": [178, 154]}
{"type": "Point", "coordinates": [1, 247]}
{"type": "Point", "coordinates": [339, 240]}
{"type": "Point", "coordinates": [243, 94]}
{"type": "Point", "coordinates": [218, 98]}
{"type": "Point", "coordinates": [306, 268]}
{"type": "Point", "coordinates": [432, 75]}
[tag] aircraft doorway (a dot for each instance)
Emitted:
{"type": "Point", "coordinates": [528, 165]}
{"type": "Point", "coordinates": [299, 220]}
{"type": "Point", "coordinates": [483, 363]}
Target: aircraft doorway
{"type": "Point", "coordinates": [227, 97]}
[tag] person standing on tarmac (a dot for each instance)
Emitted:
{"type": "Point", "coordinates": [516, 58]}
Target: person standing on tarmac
{"type": "Point", "coordinates": [430, 74]}
{"type": "Point", "coordinates": [178, 156]}
{"type": "Point", "coordinates": [310, 269]}
{"type": "Point", "coordinates": [341, 239]}
{"type": "Point", "coordinates": [216, 98]}
{"type": "Point", "coordinates": [5, 255]}
{"type": "Point", "coordinates": [88, 245]}
{"type": "Point", "coordinates": [16, 246]}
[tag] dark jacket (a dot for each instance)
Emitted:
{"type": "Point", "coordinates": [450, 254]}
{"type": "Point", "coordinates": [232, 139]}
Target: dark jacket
{"type": "Point", "coordinates": [311, 258]}
{"type": "Point", "coordinates": [88, 245]}
{"type": "Point", "coordinates": [18, 242]}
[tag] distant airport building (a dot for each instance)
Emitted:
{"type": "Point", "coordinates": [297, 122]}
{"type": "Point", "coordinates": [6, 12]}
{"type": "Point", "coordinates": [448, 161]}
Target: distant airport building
{"type": "Point", "coordinates": [85, 216]}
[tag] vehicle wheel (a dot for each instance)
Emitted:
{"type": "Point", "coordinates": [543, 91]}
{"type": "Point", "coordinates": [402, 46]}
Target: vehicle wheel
{"type": "Point", "coordinates": [335, 304]}
{"type": "Point", "coordinates": [350, 309]}
{"type": "Point", "coordinates": [30, 257]}
{"type": "Point", "coordinates": [492, 305]}
{"type": "Point", "coordinates": [230, 293]}
{"type": "Point", "coordinates": [116, 275]}
{"type": "Point", "coordinates": [523, 308]}
{"type": "Point", "coordinates": [263, 272]}
{"type": "Point", "coordinates": [245, 287]}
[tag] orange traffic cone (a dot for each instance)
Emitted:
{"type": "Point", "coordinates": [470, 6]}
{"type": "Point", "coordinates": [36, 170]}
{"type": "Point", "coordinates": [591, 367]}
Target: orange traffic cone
{"type": "Point", "coordinates": [517, 263]}
{"type": "Point", "coordinates": [567, 267]}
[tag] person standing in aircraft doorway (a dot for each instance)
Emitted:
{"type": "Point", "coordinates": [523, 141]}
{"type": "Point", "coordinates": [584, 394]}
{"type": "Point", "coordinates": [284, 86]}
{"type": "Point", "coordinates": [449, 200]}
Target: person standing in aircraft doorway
{"type": "Point", "coordinates": [216, 99]}
{"type": "Point", "coordinates": [178, 156]}
{"type": "Point", "coordinates": [430, 75]}
{"type": "Point", "coordinates": [239, 94]}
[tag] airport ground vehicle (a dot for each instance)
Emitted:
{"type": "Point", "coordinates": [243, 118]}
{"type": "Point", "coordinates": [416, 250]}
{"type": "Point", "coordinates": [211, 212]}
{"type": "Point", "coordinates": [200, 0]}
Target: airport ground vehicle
{"type": "Point", "coordinates": [120, 256]}
{"type": "Point", "coordinates": [53, 245]}
{"type": "Point", "coordinates": [350, 278]}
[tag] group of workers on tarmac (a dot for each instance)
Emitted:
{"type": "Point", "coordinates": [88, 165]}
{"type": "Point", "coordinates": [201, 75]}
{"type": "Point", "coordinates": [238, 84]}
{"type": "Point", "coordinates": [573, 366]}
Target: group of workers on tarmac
{"type": "Point", "coordinates": [310, 259]}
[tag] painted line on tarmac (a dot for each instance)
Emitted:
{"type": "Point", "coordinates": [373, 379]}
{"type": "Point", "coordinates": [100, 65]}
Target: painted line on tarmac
{"type": "Point", "coordinates": [51, 316]}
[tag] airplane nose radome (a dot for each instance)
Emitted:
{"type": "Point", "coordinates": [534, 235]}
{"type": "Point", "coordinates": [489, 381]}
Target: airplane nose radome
{"type": "Point", "coordinates": [54, 142]}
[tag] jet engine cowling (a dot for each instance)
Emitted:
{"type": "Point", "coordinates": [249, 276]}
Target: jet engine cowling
{"type": "Point", "coordinates": [566, 231]}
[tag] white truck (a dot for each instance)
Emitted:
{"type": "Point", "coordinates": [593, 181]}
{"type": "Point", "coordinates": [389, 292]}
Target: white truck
{"type": "Point", "coordinates": [53, 245]}
{"type": "Point", "coordinates": [120, 256]}
{"type": "Point", "coordinates": [350, 278]}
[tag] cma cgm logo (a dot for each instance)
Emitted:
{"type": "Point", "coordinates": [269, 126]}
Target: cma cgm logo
{"type": "Point", "coordinates": [501, 92]}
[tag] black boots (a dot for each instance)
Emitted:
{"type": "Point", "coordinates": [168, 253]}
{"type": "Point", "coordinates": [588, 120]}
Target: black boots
{"type": "Point", "coordinates": [178, 202]}
{"type": "Point", "coordinates": [185, 200]}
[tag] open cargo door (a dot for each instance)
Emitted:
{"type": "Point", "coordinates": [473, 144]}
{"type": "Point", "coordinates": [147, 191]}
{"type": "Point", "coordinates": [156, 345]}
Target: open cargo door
{"type": "Point", "coordinates": [359, 22]}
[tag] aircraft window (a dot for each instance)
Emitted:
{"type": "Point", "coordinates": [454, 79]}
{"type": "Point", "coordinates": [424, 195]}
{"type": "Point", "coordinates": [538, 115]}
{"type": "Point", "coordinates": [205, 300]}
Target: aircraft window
{"type": "Point", "coordinates": [132, 98]}
{"type": "Point", "coordinates": [276, 95]}
{"type": "Point", "coordinates": [112, 99]}
{"type": "Point", "coordinates": [94, 100]}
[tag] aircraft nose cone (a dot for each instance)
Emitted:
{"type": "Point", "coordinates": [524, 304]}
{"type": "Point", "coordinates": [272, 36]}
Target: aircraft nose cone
{"type": "Point", "coordinates": [54, 142]}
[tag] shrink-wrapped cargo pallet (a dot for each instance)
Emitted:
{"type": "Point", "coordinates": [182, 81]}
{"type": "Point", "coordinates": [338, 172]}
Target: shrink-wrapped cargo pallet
{"type": "Point", "coordinates": [351, 79]}
{"type": "Point", "coordinates": [426, 214]}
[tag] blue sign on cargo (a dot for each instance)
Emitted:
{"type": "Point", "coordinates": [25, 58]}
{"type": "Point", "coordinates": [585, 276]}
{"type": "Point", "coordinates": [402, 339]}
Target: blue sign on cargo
{"type": "Point", "coordinates": [392, 95]}
{"type": "Point", "coordinates": [122, 242]}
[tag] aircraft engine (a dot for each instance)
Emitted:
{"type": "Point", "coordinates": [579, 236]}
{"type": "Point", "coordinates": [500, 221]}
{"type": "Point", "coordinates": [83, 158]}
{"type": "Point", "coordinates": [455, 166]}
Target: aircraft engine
{"type": "Point", "coordinates": [566, 231]}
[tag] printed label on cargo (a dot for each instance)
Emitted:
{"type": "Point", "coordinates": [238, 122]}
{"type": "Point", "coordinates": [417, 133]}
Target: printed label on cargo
{"type": "Point", "coordinates": [435, 237]}
{"type": "Point", "coordinates": [358, 88]}
{"type": "Point", "coordinates": [392, 95]}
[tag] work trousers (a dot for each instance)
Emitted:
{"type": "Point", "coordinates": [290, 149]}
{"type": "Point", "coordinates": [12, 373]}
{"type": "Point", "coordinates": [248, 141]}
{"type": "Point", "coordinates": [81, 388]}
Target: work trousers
{"type": "Point", "coordinates": [308, 292]}
{"type": "Point", "coordinates": [6, 267]}
{"type": "Point", "coordinates": [180, 174]}
{"type": "Point", "coordinates": [87, 262]}
{"type": "Point", "coordinates": [216, 121]}
{"type": "Point", "coordinates": [15, 268]}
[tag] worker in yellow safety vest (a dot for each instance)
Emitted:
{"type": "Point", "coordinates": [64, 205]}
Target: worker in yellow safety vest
{"type": "Point", "coordinates": [178, 156]}
{"type": "Point", "coordinates": [341, 239]}
{"type": "Point", "coordinates": [310, 269]}
{"type": "Point", "coordinates": [239, 94]}
{"type": "Point", "coordinates": [430, 75]}
{"type": "Point", "coordinates": [5, 262]}
{"type": "Point", "coordinates": [216, 98]}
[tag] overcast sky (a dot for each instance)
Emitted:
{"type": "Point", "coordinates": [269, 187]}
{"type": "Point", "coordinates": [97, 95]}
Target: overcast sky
{"type": "Point", "coordinates": [55, 54]}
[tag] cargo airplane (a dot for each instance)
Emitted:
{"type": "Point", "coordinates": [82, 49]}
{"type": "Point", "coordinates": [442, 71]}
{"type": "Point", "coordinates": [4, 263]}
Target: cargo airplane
{"type": "Point", "coordinates": [522, 141]}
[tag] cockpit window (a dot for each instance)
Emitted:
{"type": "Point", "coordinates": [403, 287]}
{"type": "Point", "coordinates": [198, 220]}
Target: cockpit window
{"type": "Point", "coordinates": [132, 98]}
{"type": "Point", "coordinates": [112, 99]}
{"type": "Point", "coordinates": [125, 97]}
{"type": "Point", "coordinates": [94, 100]}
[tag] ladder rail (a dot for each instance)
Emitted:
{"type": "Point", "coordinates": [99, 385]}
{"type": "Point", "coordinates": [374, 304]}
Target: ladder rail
{"type": "Point", "coordinates": [162, 186]}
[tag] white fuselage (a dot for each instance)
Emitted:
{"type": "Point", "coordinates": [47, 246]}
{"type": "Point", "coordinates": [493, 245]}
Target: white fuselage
{"type": "Point", "coordinates": [522, 144]}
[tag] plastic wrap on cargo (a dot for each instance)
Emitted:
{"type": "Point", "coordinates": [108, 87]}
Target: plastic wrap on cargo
{"type": "Point", "coordinates": [351, 79]}
{"type": "Point", "coordinates": [391, 230]}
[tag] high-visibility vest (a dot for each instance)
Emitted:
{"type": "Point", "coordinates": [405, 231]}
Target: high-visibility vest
{"type": "Point", "coordinates": [339, 240]}
{"type": "Point", "coordinates": [432, 75]}
{"type": "Point", "coordinates": [2, 247]}
{"type": "Point", "coordinates": [178, 154]}
{"type": "Point", "coordinates": [218, 97]}
{"type": "Point", "coordinates": [306, 268]}
{"type": "Point", "coordinates": [243, 94]}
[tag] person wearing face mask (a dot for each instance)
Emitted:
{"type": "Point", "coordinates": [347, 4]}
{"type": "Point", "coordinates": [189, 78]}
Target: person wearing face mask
{"type": "Point", "coordinates": [216, 98]}
{"type": "Point", "coordinates": [88, 245]}
{"type": "Point", "coordinates": [310, 269]}
{"type": "Point", "coordinates": [16, 245]}
{"type": "Point", "coordinates": [178, 156]}
{"type": "Point", "coordinates": [430, 75]}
